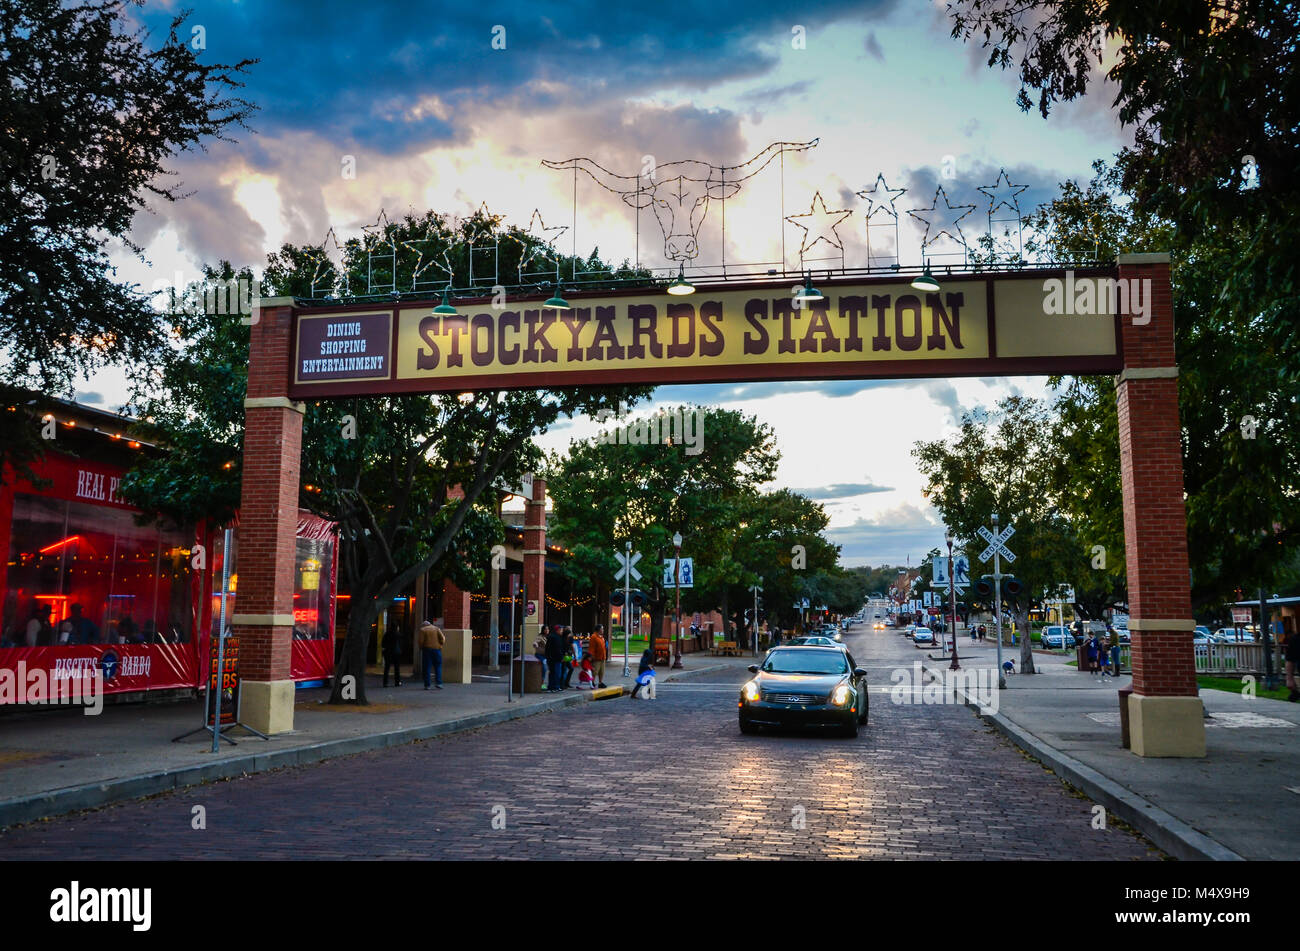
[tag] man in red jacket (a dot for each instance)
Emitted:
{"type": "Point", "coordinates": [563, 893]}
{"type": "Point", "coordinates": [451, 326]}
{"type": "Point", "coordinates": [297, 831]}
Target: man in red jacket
{"type": "Point", "coordinates": [596, 647]}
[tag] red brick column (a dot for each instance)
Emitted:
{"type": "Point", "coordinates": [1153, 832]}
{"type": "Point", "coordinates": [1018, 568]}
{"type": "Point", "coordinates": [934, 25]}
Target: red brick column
{"type": "Point", "coordinates": [457, 653]}
{"type": "Point", "coordinates": [1155, 521]}
{"type": "Point", "coordinates": [535, 558]}
{"type": "Point", "coordinates": [268, 524]}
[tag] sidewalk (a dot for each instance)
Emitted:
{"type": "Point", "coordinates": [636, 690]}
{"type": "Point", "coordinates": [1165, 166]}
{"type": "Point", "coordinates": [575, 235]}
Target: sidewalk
{"type": "Point", "coordinates": [59, 760]}
{"type": "Point", "coordinates": [1241, 801]}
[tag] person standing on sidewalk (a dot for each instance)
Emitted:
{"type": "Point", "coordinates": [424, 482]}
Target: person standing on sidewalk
{"type": "Point", "coordinates": [596, 647]}
{"type": "Point", "coordinates": [554, 657]}
{"type": "Point", "coordinates": [431, 640]}
{"type": "Point", "coordinates": [393, 654]}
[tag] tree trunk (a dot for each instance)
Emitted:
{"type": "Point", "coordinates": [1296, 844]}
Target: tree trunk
{"type": "Point", "coordinates": [352, 663]}
{"type": "Point", "coordinates": [726, 628]}
{"type": "Point", "coordinates": [1026, 644]}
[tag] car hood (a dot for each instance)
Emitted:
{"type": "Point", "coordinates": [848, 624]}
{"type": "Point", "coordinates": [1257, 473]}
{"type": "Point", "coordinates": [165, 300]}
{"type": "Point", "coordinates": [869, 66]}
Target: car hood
{"type": "Point", "coordinates": [814, 683]}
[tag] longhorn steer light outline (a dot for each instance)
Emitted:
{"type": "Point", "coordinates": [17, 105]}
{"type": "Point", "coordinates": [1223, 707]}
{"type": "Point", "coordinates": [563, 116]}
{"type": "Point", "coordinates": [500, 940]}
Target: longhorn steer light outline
{"type": "Point", "coordinates": [681, 200]}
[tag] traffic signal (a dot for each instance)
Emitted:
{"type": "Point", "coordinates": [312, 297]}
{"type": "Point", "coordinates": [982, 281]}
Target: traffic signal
{"type": "Point", "coordinates": [1012, 588]}
{"type": "Point", "coordinates": [639, 598]}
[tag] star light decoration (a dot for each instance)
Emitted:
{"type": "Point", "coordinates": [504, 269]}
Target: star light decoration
{"type": "Point", "coordinates": [939, 221]}
{"type": "Point", "coordinates": [881, 198]}
{"type": "Point", "coordinates": [319, 257]}
{"type": "Point", "coordinates": [421, 247]}
{"type": "Point", "coordinates": [822, 224]}
{"type": "Point", "coordinates": [1002, 194]}
{"type": "Point", "coordinates": [880, 202]}
{"type": "Point", "coordinates": [540, 245]}
{"type": "Point", "coordinates": [377, 236]}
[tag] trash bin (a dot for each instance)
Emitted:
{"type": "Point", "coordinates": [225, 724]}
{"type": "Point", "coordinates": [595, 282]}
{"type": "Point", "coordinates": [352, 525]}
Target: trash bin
{"type": "Point", "coordinates": [531, 674]}
{"type": "Point", "coordinates": [1081, 657]}
{"type": "Point", "coordinates": [1123, 714]}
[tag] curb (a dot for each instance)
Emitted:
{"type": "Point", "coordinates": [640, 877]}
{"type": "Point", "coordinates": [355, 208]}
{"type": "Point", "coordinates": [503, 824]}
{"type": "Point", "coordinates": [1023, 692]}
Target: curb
{"type": "Point", "coordinates": [58, 802]}
{"type": "Point", "coordinates": [1170, 833]}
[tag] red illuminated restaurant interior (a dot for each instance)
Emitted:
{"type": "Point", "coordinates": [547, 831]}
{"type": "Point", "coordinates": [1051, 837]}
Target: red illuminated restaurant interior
{"type": "Point", "coordinates": [85, 583]}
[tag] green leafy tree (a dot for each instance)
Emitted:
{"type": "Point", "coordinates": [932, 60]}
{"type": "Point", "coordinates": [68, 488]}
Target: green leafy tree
{"type": "Point", "coordinates": [1210, 92]}
{"type": "Point", "coordinates": [1243, 493]}
{"type": "Point", "coordinates": [606, 493]}
{"type": "Point", "coordinates": [92, 109]}
{"type": "Point", "coordinates": [996, 464]}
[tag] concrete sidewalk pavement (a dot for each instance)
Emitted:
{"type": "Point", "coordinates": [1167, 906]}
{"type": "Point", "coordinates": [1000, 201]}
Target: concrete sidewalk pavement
{"type": "Point", "coordinates": [58, 760]}
{"type": "Point", "coordinates": [1241, 801]}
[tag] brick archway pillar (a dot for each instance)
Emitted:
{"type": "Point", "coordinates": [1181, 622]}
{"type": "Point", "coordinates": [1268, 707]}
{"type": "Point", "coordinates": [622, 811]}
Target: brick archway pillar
{"type": "Point", "coordinates": [535, 560]}
{"type": "Point", "coordinates": [268, 524]}
{"type": "Point", "coordinates": [1165, 713]}
{"type": "Point", "coordinates": [457, 652]}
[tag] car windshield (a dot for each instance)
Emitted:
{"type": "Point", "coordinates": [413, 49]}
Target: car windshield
{"type": "Point", "coordinates": [805, 662]}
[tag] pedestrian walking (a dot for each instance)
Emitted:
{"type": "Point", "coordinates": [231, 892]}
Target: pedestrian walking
{"type": "Point", "coordinates": [431, 641]}
{"type": "Point", "coordinates": [539, 651]}
{"type": "Point", "coordinates": [554, 658]}
{"type": "Point", "coordinates": [645, 676]}
{"type": "Point", "coordinates": [393, 654]}
{"type": "Point", "coordinates": [572, 651]}
{"type": "Point", "coordinates": [596, 648]}
{"type": "Point", "coordinates": [586, 676]}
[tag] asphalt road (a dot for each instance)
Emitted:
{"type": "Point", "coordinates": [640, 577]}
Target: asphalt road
{"type": "Point", "coordinates": [672, 778]}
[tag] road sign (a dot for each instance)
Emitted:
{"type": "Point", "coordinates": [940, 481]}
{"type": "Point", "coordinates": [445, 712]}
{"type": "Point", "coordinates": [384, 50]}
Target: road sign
{"type": "Point", "coordinates": [997, 543]}
{"type": "Point", "coordinates": [627, 562]}
{"type": "Point", "coordinates": [960, 568]}
{"type": "Point", "coordinates": [687, 573]}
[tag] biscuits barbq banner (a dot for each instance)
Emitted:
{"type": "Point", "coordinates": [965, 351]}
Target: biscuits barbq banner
{"type": "Point", "coordinates": [861, 330]}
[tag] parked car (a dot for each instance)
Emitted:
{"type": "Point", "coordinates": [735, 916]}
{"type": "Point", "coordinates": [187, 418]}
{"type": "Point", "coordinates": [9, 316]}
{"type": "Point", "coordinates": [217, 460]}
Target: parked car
{"type": "Point", "coordinates": [805, 686]}
{"type": "Point", "coordinates": [814, 640]}
{"type": "Point", "coordinates": [1056, 637]}
{"type": "Point", "coordinates": [1231, 635]}
{"type": "Point", "coordinates": [923, 637]}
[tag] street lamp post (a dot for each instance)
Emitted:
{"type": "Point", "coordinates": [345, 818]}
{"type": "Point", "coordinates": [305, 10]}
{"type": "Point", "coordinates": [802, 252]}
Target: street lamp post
{"type": "Point", "coordinates": [677, 583]}
{"type": "Point", "coordinates": [952, 600]}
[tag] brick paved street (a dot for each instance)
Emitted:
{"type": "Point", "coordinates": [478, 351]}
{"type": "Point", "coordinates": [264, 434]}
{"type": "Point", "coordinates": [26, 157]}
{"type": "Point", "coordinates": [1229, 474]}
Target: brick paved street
{"type": "Point", "coordinates": [672, 778]}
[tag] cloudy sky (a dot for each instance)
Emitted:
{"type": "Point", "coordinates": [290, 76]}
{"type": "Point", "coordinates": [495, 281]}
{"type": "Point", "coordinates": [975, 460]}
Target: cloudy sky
{"type": "Point", "coordinates": [456, 105]}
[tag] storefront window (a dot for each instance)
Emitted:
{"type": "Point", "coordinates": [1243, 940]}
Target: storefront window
{"type": "Point", "coordinates": [312, 595]}
{"type": "Point", "coordinates": [82, 574]}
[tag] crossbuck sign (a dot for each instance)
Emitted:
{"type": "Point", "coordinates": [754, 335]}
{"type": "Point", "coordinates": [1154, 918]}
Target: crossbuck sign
{"type": "Point", "coordinates": [997, 543]}
{"type": "Point", "coordinates": [627, 563]}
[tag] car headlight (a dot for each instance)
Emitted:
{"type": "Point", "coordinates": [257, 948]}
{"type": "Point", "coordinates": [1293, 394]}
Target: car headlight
{"type": "Point", "coordinates": [750, 691]}
{"type": "Point", "coordinates": [841, 695]}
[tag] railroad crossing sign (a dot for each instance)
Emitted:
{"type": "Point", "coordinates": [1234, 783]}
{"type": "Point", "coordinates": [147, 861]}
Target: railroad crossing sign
{"type": "Point", "coordinates": [997, 543]}
{"type": "Point", "coordinates": [627, 563]}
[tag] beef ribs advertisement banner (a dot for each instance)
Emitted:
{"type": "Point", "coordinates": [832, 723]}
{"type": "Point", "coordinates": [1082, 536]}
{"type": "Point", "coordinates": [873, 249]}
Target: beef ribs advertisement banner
{"type": "Point", "coordinates": [223, 680]}
{"type": "Point", "coordinates": [881, 328]}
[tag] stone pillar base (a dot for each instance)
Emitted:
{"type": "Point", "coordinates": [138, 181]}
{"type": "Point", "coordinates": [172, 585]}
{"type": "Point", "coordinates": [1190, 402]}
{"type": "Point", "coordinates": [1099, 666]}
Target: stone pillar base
{"type": "Point", "coordinates": [267, 706]}
{"type": "Point", "coordinates": [1166, 726]}
{"type": "Point", "coordinates": [456, 657]}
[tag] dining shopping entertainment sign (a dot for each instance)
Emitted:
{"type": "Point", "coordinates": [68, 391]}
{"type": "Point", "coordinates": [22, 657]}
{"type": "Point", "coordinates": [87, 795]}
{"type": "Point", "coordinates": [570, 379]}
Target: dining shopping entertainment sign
{"type": "Point", "coordinates": [989, 325]}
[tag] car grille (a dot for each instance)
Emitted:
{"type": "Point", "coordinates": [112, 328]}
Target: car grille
{"type": "Point", "coordinates": [792, 698]}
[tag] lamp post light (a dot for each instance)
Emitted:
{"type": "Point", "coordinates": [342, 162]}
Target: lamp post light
{"type": "Point", "coordinates": [952, 601]}
{"type": "Point", "coordinates": [677, 584]}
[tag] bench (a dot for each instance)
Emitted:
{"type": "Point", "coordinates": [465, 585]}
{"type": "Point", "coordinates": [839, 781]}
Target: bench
{"type": "Point", "coordinates": [726, 649]}
{"type": "Point", "coordinates": [663, 650]}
